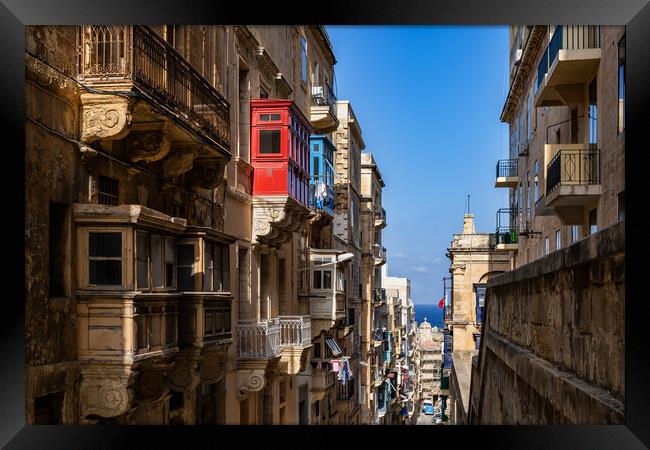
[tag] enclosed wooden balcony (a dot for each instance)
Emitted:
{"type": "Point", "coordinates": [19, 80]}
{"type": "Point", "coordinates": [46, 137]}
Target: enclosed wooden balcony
{"type": "Point", "coordinates": [162, 87]}
{"type": "Point", "coordinates": [379, 254]}
{"type": "Point", "coordinates": [569, 62]}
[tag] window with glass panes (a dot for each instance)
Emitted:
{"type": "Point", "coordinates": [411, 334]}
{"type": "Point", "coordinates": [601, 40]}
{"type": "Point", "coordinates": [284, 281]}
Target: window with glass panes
{"type": "Point", "coordinates": [105, 258]}
{"type": "Point", "coordinates": [621, 85]}
{"type": "Point", "coordinates": [558, 240]}
{"type": "Point", "coordinates": [321, 278]}
{"type": "Point", "coordinates": [185, 266]}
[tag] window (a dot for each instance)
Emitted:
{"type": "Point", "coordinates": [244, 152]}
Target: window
{"type": "Point", "coordinates": [157, 270]}
{"type": "Point", "coordinates": [521, 126]}
{"type": "Point", "coordinates": [546, 245]}
{"type": "Point", "coordinates": [221, 267]}
{"type": "Point", "coordinates": [170, 263]}
{"type": "Point", "coordinates": [269, 141]}
{"type": "Point", "coordinates": [528, 195]}
{"type": "Point", "coordinates": [57, 248]}
{"type": "Point", "coordinates": [575, 233]}
{"type": "Point", "coordinates": [105, 258]}
{"type": "Point", "coordinates": [303, 45]}
{"type": "Point", "coordinates": [621, 206]}
{"type": "Point", "coordinates": [558, 240]}
{"type": "Point", "coordinates": [208, 266]}
{"type": "Point", "coordinates": [322, 279]}
{"type": "Point", "coordinates": [536, 188]}
{"type": "Point", "coordinates": [593, 111]}
{"type": "Point", "coordinates": [593, 221]}
{"type": "Point", "coordinates": [185, 267]}
{"type": "Point", "coordinates": [621, 85]}
{"type": "Point", "coordinates": [480, 302]}
{"type": "Point", "coordinates": [269, 117]}
{"type": "Point", "coordinates": [142, 259]}
{"type": "Point", "coordinates": [529, 116]}
{"type": "Point", "coordinates": [108, 191]}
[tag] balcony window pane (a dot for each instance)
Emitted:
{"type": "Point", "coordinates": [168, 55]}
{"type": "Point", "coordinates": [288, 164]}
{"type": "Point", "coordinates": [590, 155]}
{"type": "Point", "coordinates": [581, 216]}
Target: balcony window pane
{"type": "Point", "coordinates": [157, 261]}
{"type": "Point", "coordinates": [558, 240]}
{"type": "Point", "coordinates": [327, 279]}
{"type": "Point", "coordinates": [185, 267]}
{"type": "Point", "coordinates": [303, 45]}
{"type": "Point", "coordinates": [593, 112]}
{"type": "Point", "coordinates": [316, 280]}
{"type": "Point", "coordinates": [621, 85]}
{"type": "Point", "coordinates": [269, 141]}
{"type": "Point", "coordinates": [105, 258]}
{"type": "Point", "coordinates": [170, 262]}
{"type": "Point", "coordinates": [208, 265]}
{"type": "Point", "coordinates": [593, 221]}
{"type": "Point", "coordinates": [142, 259]}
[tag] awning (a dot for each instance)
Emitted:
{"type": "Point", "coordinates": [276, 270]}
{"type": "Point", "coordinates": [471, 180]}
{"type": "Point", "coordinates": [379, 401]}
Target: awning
{"type": "Point", "coordinates": [331, 343]}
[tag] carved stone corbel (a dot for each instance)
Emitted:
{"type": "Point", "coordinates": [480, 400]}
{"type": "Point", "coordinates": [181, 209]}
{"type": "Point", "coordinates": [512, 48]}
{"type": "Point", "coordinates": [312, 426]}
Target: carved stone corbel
{"type": "Point", "coordinates": [184, 375]}
{"type": "Point", "coordinates": [213, 365]}
{"type": "Point", "coordinates": [104, 117]}
{"type": "Point", "coordinates": [250, 380]}
{"type": "Point", "coordinates": [180, 161]}
{"type": "Point", "coordinates": [148, 144]}
{"type": "Point", "coordinates": [206, 173]}
{"type": "Point", "coordinates": [105, 390]}
{"type": "Point", "coordinates": [150, 383]}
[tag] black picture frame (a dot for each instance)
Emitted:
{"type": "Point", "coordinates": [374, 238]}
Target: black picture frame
{"type": "Point", "coordinates": [15, 14]}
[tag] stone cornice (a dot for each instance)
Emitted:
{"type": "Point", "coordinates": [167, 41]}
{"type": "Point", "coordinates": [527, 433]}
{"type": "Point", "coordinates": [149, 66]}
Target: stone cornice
{"type": "Point", "coordinates": [524, 68]}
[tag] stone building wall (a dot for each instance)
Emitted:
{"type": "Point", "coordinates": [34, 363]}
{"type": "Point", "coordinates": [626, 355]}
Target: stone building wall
{"type": "Point", "coordinates": [552, 348]}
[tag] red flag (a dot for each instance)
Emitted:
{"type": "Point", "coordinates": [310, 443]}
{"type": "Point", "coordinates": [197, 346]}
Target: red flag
{"type": "Point", "coordinates": [441, 303]}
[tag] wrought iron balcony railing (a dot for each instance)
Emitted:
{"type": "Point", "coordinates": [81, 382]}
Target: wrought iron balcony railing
{"type": "Point", "coordinates": [295, 331]}
{"type": "Point", "coordinates": [507, 168]}
{"type": "Point", "coordinates": [506, 232]}
{"type": "Point", "coordinates": [258, 340]}
{"type": "Point", "coordinates": [573, 168]}
{"type": "Point", "coordinates": [323, 95]}
{"type": "Point", "coordinates": [118, 54]}
{"type": "Point", "coordinates": [571, 37]}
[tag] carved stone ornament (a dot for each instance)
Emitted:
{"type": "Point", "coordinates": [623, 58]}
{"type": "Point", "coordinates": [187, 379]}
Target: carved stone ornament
{"type": "Point", "coordinates": [179, 161]}
{"type": "Point", "coordinates": [251, 380]}
{"type": "Point", "coordinates": [150, 384]}
{"type": "Point", "coordinates": [184, 374]}
{"type": "Point", "coordinates": [105, 390]}
{"type": "Point", "coordinates": [206, 173]}
{"type": "Point", "coordinates": [104, 117]}
{"type": "Point", "coordinates": [275, 218]}
{"type": "Point", "coordinates": [213, 365]}
{"type": "Point", "coordinates": [148, 146]}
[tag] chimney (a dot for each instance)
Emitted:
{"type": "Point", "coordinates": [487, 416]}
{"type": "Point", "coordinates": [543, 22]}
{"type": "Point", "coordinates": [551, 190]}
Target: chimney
{"type": "Point", "coordinates": [468, 224]}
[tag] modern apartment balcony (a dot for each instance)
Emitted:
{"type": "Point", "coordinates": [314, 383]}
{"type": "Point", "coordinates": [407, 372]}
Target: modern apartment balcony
{"type": "Point", "coordinates": [572, 180]}
{"type": "Point", "coordinates": [379, 254]}
{"type": "Point", "coordinates": [295, 342]}
{"type": "Point", "coordinates": [569, 62]}
{"type": "Point", "coordinates": [137, 59]}
{"type": "Point", "coordinates": [380, 218]}
{"type": "Point", "coordinates": [506, 238]}
{"type": "Point", "coordinates": [322, 113]}
{"type": "Point", "coordinates": [507, 173]}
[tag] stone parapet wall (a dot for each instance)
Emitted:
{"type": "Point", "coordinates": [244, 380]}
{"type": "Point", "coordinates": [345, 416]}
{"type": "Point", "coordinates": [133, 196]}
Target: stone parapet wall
{"type": "Point", "coordinates": [553, 341]}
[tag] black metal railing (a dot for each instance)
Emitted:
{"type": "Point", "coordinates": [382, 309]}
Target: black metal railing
{"type": "Point", "coordinates": [506, 231]}
{"type": "Point", "coordinates": [507, 168]}
{"type": "Point", "coordinates": [567, 37]}
{"type": "Point", "coordinates": [113, 54]}
{"type": "Point", "coordinates": [323, 95]}
{"type": "Point", "coordinates": [580, 167]}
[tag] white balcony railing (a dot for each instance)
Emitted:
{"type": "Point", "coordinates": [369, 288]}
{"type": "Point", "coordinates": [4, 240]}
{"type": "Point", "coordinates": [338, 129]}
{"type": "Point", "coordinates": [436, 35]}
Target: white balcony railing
{"type": "Point", "coordinates": [258, 340]}
{"type": "Point", "coordinates": [295, 331]}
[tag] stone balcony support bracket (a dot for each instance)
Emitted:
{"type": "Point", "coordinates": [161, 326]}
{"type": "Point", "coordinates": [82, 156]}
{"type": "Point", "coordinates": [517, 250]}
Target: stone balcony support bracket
{"type": "Point", "coordinates": [105, 390]}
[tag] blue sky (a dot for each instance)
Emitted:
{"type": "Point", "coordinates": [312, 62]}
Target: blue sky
{"type": "Point", "coordinates": [428, 99]}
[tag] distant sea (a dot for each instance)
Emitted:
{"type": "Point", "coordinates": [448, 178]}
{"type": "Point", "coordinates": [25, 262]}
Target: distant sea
{"type": "Point", "coordinates": [432, 313]}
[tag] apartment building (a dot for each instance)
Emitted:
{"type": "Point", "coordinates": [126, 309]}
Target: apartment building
{"type": "Point", "coordinates": [566, 111]}
{"type": "Point", "coordinates": [430, 347]}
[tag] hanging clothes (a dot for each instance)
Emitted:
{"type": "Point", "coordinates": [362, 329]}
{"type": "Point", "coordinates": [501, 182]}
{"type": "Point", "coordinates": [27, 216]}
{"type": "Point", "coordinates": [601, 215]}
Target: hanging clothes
{"type": "Point", "coordinates": [335, 363]}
